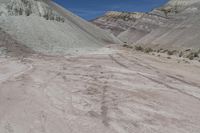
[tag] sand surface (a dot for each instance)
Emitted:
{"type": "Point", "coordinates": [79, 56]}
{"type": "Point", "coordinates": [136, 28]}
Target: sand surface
{"type": "Point", "coordinates": [114, 91]}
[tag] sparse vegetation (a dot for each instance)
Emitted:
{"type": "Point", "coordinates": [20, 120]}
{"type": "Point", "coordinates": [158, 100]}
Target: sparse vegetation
{"type": "Point", "coordinates": [139, 48]}
{"type": "Point", "coordinates": [188, 50]}
{"type": "Point", "coordinates": [148, 50]}
{"type": "Point", "coordinates": [186, 61]}
{"type": "Point", "coordinates": [164, 51]}
{"type": "Point", "coordinates": [192, 55]}
{"type": "Point", "coordinates": [159, 50]}
{"type": "Point", "coordinates": [171, 52]}
{"type": "Point", "coordinates": [166, 11]}
{"type": "Point", "coordinates": [180, 54]}
{"type": "Point", "coordinates": [127, 46]}
{"type": "Point", "coordinates": [28, 12]}
{"type": "Point", "coordinates": [3, 51]}
{"type": "Point", "coordinates": [188, 53]}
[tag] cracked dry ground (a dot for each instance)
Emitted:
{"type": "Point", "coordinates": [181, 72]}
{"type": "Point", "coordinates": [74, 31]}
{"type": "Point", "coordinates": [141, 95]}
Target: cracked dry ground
{"type": "Point", "coordinates": [110, 93]}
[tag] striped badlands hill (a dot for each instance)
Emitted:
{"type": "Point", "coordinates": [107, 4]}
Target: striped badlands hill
{"type": "Point", "coordinates": [172, 26]}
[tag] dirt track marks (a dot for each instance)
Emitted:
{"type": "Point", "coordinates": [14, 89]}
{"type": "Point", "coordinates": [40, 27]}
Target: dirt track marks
{"type": "Point", "coordinates": [120, 58]}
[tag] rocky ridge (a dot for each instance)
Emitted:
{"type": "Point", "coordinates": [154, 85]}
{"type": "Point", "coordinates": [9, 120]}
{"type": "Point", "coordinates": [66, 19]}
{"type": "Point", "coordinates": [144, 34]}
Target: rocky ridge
{"type": "Point", "coordinates": [117, 22]}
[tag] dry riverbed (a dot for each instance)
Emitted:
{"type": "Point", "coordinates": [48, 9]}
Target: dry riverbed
{"type": "Point", "coordinates": [109, 92]}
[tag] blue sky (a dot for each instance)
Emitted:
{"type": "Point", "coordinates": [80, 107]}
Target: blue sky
{"type": "Point", "coordinates": [90, 9]}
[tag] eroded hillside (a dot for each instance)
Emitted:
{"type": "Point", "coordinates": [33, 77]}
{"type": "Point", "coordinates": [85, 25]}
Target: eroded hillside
{"type": "Point", "coordinates": [172, 26]}
{"type": "Point", "coordinates": [45, 27]}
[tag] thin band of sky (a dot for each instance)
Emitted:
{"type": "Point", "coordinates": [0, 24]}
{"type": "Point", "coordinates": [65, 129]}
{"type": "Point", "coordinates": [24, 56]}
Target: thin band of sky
{"type": "Point", "coordinates": [91, 9]}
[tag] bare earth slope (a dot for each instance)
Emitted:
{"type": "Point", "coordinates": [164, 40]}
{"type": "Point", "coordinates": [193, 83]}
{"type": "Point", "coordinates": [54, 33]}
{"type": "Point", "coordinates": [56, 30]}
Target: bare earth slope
{"type": "Point", "coordinates": [181, 30]}
{"type": "Point", "coordinates": [172, 26]}
{"type": "Point", "coordinates": [45, 27]}
{"type": "Point", "coordinates": [109, 92]}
